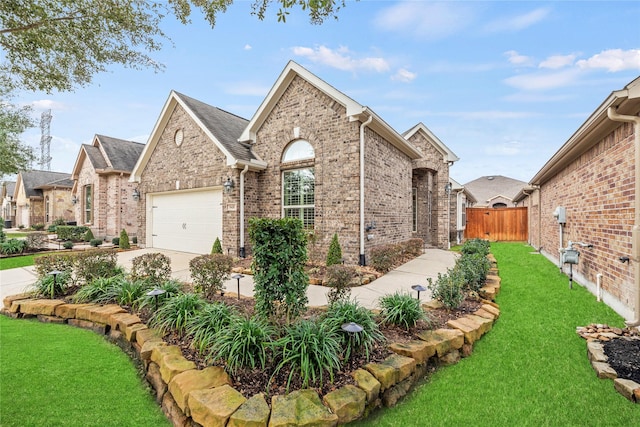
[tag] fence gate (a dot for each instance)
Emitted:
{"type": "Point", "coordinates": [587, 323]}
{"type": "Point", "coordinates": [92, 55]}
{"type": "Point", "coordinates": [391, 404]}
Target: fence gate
{"type": "Point", "coordinates": [503, 224]}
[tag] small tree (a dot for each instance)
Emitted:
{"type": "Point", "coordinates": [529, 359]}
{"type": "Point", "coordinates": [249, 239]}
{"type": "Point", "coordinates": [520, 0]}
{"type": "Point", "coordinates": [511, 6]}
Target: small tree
{"type": "Point", "coordinates": [88, 236]}
{"type": "Point", "coordinates": [208, 272]}
{"type": "Point", "coordinates": [279, 256]}
{"type": "Point", "coordinates": [217, 247]}
{"type": "Point", "coordinates": [334, 256]}
{"type": "Point", "coordinates": [124, 240]}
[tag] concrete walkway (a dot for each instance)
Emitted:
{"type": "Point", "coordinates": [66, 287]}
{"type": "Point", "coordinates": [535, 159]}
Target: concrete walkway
{"type": "Point", "coordinates": [416, 271]}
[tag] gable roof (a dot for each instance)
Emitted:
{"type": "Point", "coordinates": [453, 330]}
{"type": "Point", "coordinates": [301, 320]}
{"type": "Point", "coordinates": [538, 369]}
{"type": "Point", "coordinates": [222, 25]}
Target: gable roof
{"type": "Point", "coordinates": [487, 188]}
{"type": "Point", "coordinates": [8, 187]}
{"type": "Point", "coordinates": [354, 110]}
{"type": "Point", "coordinates": [222, 127]}
{"type": "Point", "coordinates": [34, 181]}
{"type": "Point", "coordinates": [457, 187]}
{"type": "Point", "coordinates": [449, 156]}
{"type": "Point", "coordinates": [108, 155]}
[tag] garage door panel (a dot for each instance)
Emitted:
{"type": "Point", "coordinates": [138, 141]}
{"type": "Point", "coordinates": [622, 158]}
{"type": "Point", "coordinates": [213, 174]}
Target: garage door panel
{"type": "Point", "coordinates": [187, 222]}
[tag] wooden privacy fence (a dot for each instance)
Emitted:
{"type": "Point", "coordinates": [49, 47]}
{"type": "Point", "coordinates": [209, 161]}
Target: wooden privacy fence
{"type": "Point", "coordinates": [503, 224]}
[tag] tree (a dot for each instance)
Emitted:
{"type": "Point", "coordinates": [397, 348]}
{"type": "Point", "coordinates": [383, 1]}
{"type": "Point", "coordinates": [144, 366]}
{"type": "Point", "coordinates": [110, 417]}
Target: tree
{"type": "Point", "coordinates": [334, 256]}
{"type": "Point", "coordinates": [14, 120]}
{"type": "Point", "coordinates": [61, 44]}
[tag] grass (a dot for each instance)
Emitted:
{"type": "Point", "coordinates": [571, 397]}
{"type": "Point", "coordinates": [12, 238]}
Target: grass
{"type": "Point", "coordinates": [57, 375]}
{"type": "Point", "coordinates": [16, 235]}
{"type": "Point", "coordinates": [16, 262]}
{"type": "Point", "coordinates": [531, 369]}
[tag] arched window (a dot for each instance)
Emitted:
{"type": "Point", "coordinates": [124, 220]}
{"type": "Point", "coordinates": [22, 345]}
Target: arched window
{"type": "Point", "coordinates": [298, 150]}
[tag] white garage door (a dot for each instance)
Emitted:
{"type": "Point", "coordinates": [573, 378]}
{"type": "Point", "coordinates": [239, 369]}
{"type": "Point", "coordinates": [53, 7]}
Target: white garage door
{"type": "Point", "coordinates": [186, 221]}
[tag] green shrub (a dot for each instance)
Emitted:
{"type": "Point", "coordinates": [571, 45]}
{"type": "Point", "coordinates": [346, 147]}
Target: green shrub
{"type": "Point", "coordinates": [95, 242]}
{"type": "Point", "coordinates": [21, 226]}
{"type": "Point", "coordinates": [96, 289]}
{"type": "Point", "coordinates": [91, 264]}
{"type": "Point", "coordinates": [72, 232]}
{"type": "Point", "coordinates": [3, 235]}
{"type": "Point", "coordinates": [50, 287]}
{"type": "Point", "coordinates": [47, 263]}
{"type": "Point", "coordinates": [115, 241]}
{"type": "Point", "coordinates": [154, 267]}
{"type": "Point", "coordinates": [217, 247]}
{"type": "Point", "coordinates": [134, 240]}
{"type": "Point", "coordinates": [344, 311]}
{"type": "Point", "coordinates": [474, 268]}
{"type": "Point", "coordinates": [176, 312]}
{"type": "Point", "coordinates": [125, 292]}
{"type": "Point", "coordinates": [339, 277]}
{"type": "Point", "coordinates": [88, 236]}
{"type": "Point", "coordinates": [279, 256]}
{"type": "Point", "coordinates": [479, 246]}
{"type": "Point", "coordinates": [36, 240]}
{"type": "Point", "coordinates": [334, 256]}
{"type": "Point", "coordinates": [124, 240]}
{"type": "Point", "coordinates": [401, 309]}
{"type": "Point", "coordinates": [243, 343]}
{"type": "Point", "coordinates": [59, 221]}
{"type": "Point", "coordinates": [67, 245]}
{"type": "Point", "coordinates": [207, 322]}
{"type": "Point", "coordinates": [52, 228]}
{"type": "Point", "coordinates": [12, 247]}
{"type": "Point", "coordinates": [448, 288]}
{"type": "Point", "coordinates": [209, 272]}
{"type": "Point", "coordinates": [311, 350]}
{"type": "Point", "coordinates": [38, 227]}
{"type": "Point", "coordinates": [383, 258]}
{"type": "Point", "coordinates": [414, 247]}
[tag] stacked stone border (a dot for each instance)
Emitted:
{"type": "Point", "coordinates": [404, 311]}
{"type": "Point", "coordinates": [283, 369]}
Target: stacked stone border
{"type": "Point", "coordinates": [596, 334]}
{"type": "Point", "coordinates": [205, 397]}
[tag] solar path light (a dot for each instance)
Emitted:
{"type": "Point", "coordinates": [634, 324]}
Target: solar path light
{"type": "Point", "coordinates": [418, 288]}
{"type": "Point", "coordinates": [155, 293]}
{"type": "Point", "coordinates": [238, 277]}
{"type": "Point", "coordinates": [55, 274]}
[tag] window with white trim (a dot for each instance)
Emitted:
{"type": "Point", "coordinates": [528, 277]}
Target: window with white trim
{"type": "Point", "coordinates": [298, 195]}
{"type": "Point", "coordinates": [88, 204]}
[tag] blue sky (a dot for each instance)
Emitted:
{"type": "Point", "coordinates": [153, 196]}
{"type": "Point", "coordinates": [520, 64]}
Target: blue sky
{"type": "Point", "coordinates": [503, 84]}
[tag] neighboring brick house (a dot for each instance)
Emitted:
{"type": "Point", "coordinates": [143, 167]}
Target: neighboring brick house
{"type": "Point", "coordinates": [8, 212]}
{"type": "Point", "coordinates": [41, 197]}
{"type": "Point", "coordinates": [309, 152]}
{"type": "Point", "coordinates": [494, 191]}
{"type": "Point", "coordinates": [103, 197]}
{"type": "Point", "coordinates": [595, 177]}
{"type": "Point", "coordinates": [460, 199]}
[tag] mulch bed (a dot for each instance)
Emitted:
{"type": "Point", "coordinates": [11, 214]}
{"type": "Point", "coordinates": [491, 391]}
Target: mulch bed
{"type": "Point", "coordinates": [624, 357]}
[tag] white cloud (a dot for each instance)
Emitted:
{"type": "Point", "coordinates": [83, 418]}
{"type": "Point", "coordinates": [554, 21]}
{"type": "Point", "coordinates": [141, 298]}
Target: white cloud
{"type": "Point", "coordinates": [247, 47]}
{"type": "Point", "coordinates": [511, 148]}
{"type": "Point", "coordinates": [543, 81]}
{"type": "Point", "coordinates": [47, 104]}
{"type": "Point", "coordinates": [516, 59]}
{"type": "Point", "coordinates": [404, 75]}
{"type": "Point", "coordinates": [426, 20]}
{"type": "Point", "coordinates": [558, 61]}
{"type": "Point", "coordinates": [613, 60]}
{"type": "Point", "coordinates": [341, 59]}
{"type": "Point", "coordinates": [517, 23]}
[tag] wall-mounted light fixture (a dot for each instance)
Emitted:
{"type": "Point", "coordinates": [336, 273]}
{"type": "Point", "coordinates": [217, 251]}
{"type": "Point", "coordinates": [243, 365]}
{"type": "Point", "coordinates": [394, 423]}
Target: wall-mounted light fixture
{"type": "Point", "coordinates": [74, 199]}
{"type": "Point", "coordinates": [228, 185]}
{"type": "Point", "coordinates": [136, 194]}
{"type": "Point", "coordinates": [624, 259]}
{"type": "Point", "coordinates": [371, 226]}
{"type": "Point", "coordinates": [447, 188]}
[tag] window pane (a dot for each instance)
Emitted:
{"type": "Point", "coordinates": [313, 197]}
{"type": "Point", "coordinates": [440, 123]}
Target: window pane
{"type": "Point", "coordinates": [298, 150]}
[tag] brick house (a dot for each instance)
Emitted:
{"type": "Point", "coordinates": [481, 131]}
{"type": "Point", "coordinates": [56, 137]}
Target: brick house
{"type": "Point", "coordinates": [494, 191]}
{"type": "Point", "coordinates": [41, 197]}
{"type": "Point", "coordinates": [586, 193]}
{"type": "Point", "coordinates": [8, 204]}
{"type": "Point", "coordinates": [309, 152]}
{"type": "Point", "coordinates": [103, 198]}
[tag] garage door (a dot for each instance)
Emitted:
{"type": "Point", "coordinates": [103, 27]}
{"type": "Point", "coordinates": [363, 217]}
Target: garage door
{"type": "Point", "coordinates": [186, 221]}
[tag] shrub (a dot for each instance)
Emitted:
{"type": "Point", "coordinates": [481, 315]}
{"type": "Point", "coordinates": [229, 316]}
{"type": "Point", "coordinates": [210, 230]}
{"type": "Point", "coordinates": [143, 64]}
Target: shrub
{"type": "Point", "coordinates": [47, 263]}
{"type": "Point", "coordinates": [448, 288]}
{"type": "Point", "coordinates": [474, 268]}
{"type": "Point", "coordinates": [334, 256]}
{"type": "Point", "coordinates": [401, 309]}
{"type": "Point", "coordinates": [21, 226]}
{"type": "Point", "coordinates": [338, 277]}
{"type": "Point", "coordinates": [125, 292]}
{"type": "Point", "coordinates": [208, 272]}
{"type": "Point", "coordinates": [50, 287]}
{"type": "Point", "coordinates": [476, 245]}
{"type": "Point", "coordinates": [96, 290]}
{"type": "Point", "coordinates": [88, 236]}
{"type": "Point", "coordinates": [12, 247]}
{"type": "Point", "coordinates": [134, 240]}
{"type": "Point", "coordinates": [95, 242]}
{"type": "Point", "coordinates": [67, 245]}
{"type": "Point", "coordinates": [52, 228]}
{"type": "Point", "coordinates": [154, 267]}
{"type": "Point", "coordinates": [36, 240]}
{"type": "Point", "coordinates": [176, 312]}
{"type": "Point", "coordinates": [344, 311]}
{"type": "Point", "coordinates": [279, 256]}
{"type": "Point", "coordinates": [38, 227]}
{"type": "Point", "coordinates": [383, 258]}
{"type": "Point", "coordinates": [115, 241]}
{"type": "Point", "coordinates": [71, 232]}
{"type": "Point", "coordinates": [91, 264]}
{"type": "Point", "coordinates": [59, 221]}
{"type": "Point", "coordinates": [124, 240]}
{"type": "Point", "coordinates": [207, 322]}
{"type": "Point", "coordinates": [310, 350]}
{"type": "Point", "coordinates": [217, 247]}
{"type": "Point", "coordinates": [3, 235]}
{"type": "Point", "coordinates": [414, 247]}
{"type": "Point", "coordinates": [243, 343]}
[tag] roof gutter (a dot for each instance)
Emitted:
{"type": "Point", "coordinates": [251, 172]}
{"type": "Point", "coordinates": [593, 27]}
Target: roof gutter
{"type": "Point", "coordinates": [362, 126]}
{"type": "Point", "coordinates": [635, 235]}
{"type": "Point", "coordinates": [242, 249]}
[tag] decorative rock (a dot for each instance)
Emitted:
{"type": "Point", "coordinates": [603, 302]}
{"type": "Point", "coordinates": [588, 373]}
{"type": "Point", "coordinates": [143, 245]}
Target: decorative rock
{"type": "Point", "coordinates": [484, 313]}
{"type": "Point", "coordinates": [131, 331]}
{"type": "Point", "coordinates": [40, 306]}
{"type": "Point", "coordinates": [491, 308]}
{"type": "Point", "coordinates": [171, 365]}
{"type": "Point", "coordinates": [404, 365]}
{"type": "Point", "coordinates": [596, 352]}
{"type": "Point", "coordinates": [390, 397]}
{"type": "Point", "coordinates": [85, 324]}
{"type": "Point", "coordinates": [626, 387]}
{"type": "Point", "coordinates": [120, 321]}
{"type": "Point", "coordinates": [386, 374]}
{"type": "Point", "coordinates": [213, 406]}
{"type": "Point", "coordinates": [7, 301]}
{"type": "Point", "coordinates": [636, 395]}
{"type": "Point", "coordinates": [604, 370]}
{"type": "Point", "coordinates": [50, 319]}
{"type": "Point", "coordinates": [443, 340]}
{"type": "Point", "coordinates": [485, 324]}
{"type": "Point", "coordinates": [347, 403]}
{"type": "Point", "coordinates": [143, 336]}
{"type": "Point", "coordinates": [451, 358]}
{"type": "Point", "coordinates": [98, 314]}
{"type": "Point", "coordinates": [300, 408]}
{"type": "Point", "coordinates": [159, 352]}
{"type": "Point", "coordinates": [173, 411]}
{"type": "Point", "coordinates": [252, 413]}
{"type": "Point", "coordinates": [155, 379]}
{"type": "Point", "coordinates": [68, 311]}
{"type": "Point", "coordinates": [433, 304]}
{"type": "Point", "coordinates": [418, 350]}
{"type": "Point", "coordinates": [147, 348]}
{"type": "Point", "coordinates": [368, 383]}
{"type": "Point", "coordinates": [185, 382]}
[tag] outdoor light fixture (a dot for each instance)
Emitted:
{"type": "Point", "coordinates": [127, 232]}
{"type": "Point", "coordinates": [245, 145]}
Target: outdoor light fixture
{"type": "Point", "coordinates": [74, 199]}
{"type": "Point", "coordinates": [447, 188]}
{"type": "Point", "coordinates": [352, 327]}
{"type": "Point", "coordinates": [418, 288]}
{"type": "Point", "coordinates": [238, 277]}
{"type": "Point", "coordinates": [228, 185]}
{"type": "Point", "coordinates": [624, 259]}
{"type": "Point", "coordinates": [54, 273]}
{"type": "Point", "coordinates": [155, 293]}
{"type": "Point", "coordinates": [136, 194]}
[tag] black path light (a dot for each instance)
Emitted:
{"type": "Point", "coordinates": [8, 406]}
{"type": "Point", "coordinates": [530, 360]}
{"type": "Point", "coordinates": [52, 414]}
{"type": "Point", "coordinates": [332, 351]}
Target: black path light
{"type": "Point", "coordinates": [352, 328]}
{"type": "Point", "coordinates": [418, 288]}
{"type": "Point", "coordinates": [55, 274]}
{"type": "Point", "coordinates": [238, 277]}
{"type": "Point", "coordinates": [155, 293]}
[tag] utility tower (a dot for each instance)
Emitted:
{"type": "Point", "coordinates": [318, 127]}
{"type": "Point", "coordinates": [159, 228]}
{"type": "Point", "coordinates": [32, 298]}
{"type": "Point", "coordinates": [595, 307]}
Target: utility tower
{"type": "Point", "coordinates": [45, 141]}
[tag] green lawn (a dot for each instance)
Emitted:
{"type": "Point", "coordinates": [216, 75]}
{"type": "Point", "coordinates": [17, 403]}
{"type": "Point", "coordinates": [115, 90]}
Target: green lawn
{"type": "Point", "coordinates": [16, 261]}
{"type": "Point", "coordinates": [57, 375]}
{"type": "Point", "coordinates": [531, 369]}
{"type": "Point", "coordinates": [16, 235]}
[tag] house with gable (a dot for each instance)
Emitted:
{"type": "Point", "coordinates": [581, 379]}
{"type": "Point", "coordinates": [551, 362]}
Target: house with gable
{"type": "Point", "coordinates": [41, 197]}
{"type": "Point", "coordinates": [494, 191]}
{"type": "Point", "coordinates": [587, 194]}
{"type": "Point", "coordinates": [103, 198]}
{"type": "Point", "coordinates": [8, 204]}
{"type": "Point", "coordinates": [309, 152]}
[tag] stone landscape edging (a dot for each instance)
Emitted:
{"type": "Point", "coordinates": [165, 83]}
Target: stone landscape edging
{"type": "Point", "coordinates": [190, 397]}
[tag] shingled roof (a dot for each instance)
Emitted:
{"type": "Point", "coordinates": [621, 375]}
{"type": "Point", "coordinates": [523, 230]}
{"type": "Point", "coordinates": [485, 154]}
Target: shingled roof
{"type": "Point", "coordinates": [486, 188]}
{"type": "Point", "coordinates": [122, 155]}
{"type": "Point", "coordinates": [33, 181]}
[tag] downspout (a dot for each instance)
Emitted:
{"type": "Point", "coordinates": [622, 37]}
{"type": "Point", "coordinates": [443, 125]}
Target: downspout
{"type": "Point", "coordinates": [362, 126]}
{"type": "Point", "coordinates": [242, 250]}
{"type": "Point", "coordinates": [635, 235]}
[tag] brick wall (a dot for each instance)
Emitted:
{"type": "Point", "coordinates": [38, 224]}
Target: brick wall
{"type": "Point", "coordinates": [597, 190]}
